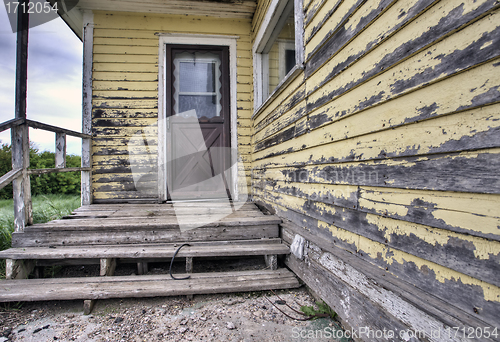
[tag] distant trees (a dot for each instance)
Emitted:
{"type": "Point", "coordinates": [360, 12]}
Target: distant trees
{"type": "Point", "coordinates": [51, 183]}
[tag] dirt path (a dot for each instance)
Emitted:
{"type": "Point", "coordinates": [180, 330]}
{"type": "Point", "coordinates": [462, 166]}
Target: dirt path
{"type": "Point", "coordinates": [232, 317]}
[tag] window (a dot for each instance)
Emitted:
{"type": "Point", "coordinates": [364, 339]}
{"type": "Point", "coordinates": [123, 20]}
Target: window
{"type": "Point", "coordinates": [197, 84]}
{"type": "Point", "coordinates": [278, 48]}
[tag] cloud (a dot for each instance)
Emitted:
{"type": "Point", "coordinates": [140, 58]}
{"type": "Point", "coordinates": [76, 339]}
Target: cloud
{"type": "Point", "coordinates": [54, 80]}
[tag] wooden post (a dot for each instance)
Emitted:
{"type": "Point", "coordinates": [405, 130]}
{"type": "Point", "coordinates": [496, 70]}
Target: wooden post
{"type": "Point", "coordinates": [108, 266]}
{"type": "Point", "coordinates": [18, 269]}
{"type": "Point", "coordinates": [142, 267]}
{"type": "Point", "coordinates": [271, 261]}
{"type": "Point", "coordinates": [189, 269]}
{"type": "Point", "coordinates": [60, 150]}
{"type": "Point", "coordinates": [88, 41]}
{"type": "Point", "coordinates": [20, 138]}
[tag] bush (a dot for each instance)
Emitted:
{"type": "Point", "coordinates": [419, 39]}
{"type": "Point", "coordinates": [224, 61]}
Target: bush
{"type": "Point", "coordinates": [50, 183]}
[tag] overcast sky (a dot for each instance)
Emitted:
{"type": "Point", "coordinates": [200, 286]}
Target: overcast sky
{"type": "Point", "coordinates": [54, 80]}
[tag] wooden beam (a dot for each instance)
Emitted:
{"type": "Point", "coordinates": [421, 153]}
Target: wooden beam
{"type": "Point", "coordinates": [22, 60]}
{"type": "Point", "coordinates": [60, 150]}
{"type": "Point", "coordinates": [17, 137]}
{"type": "Point", "coordinates": [9, 177]}
{"type": "Point", "coordinates": [18, 269]}
{"type": "Point", "coordinates": [55, 129]}
{"type": "Point", "coordinates": [88, 41]}
{"type": "Point", "coordinates": [20, 145]}
{"type": "Point", "coordinates": [57, 170]}
{"type": "Point", "coordinates": [88, 306]}
{"type": "Point", "coordinates": [271, 261]}
{"type": "Point", "coordinates": [11, 123]}
{"type": "Point", "coordinates": [145, 286]}
{"type": "Point", "coordinates": [108, 266]}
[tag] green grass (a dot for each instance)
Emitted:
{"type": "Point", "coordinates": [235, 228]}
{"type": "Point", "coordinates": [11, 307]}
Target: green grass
{"type": "Point", "coordinates": [45, 208]}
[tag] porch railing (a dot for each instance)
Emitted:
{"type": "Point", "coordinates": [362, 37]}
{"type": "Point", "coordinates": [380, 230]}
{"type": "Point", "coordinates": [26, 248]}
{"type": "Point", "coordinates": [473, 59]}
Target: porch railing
{"type": "Point", "coordinates": [20, 173]}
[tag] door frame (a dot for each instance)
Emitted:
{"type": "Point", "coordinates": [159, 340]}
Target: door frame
{"type": "Point", "coordinates": [194, 39]}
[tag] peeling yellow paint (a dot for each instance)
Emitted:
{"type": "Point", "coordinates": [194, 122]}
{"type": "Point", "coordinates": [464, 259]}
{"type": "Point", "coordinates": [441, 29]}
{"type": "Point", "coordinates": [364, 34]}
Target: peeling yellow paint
{"type": "Point", "coordinates": [446, 96]}
{"type": "Point", "coordinates": [376, 250]}
{"type": "Point", "coordinates": [483, 248]}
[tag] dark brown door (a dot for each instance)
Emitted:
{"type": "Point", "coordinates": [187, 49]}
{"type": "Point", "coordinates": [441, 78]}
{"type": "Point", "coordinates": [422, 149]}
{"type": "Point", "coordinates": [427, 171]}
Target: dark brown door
{"type": "Point", "coordinates": [198, 136]}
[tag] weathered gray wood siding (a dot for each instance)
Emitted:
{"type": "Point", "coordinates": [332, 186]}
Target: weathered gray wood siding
{"type": "Point", "coordinates": [388, 144]}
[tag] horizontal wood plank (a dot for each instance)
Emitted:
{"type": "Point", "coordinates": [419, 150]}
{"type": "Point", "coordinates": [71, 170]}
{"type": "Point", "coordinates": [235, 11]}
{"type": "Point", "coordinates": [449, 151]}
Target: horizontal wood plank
{"type": "Point", "coordinates": [144, 286]}
{"type": "Point", "coordinates": [196, 249]}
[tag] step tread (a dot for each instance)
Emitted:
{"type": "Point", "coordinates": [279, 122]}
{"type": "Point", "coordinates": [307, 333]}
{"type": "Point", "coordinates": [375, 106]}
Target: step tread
{"type": "Point", "coordinates": [161, 222]}
{"type": "Point", "coordinates": [196, 249]}
{"type": "Point", "coordinates": [144, 286]}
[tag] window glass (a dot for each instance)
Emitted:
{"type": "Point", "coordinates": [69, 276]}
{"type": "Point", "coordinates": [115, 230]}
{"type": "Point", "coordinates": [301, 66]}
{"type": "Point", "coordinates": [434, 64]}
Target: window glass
{"type": "Point", "coordinates": [197, 84]}
{"type": "Point", "coordinates": [280, 51]}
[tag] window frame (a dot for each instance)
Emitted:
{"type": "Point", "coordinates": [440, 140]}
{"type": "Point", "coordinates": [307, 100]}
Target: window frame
{"type": "Point", "coordinates": [260, 60]}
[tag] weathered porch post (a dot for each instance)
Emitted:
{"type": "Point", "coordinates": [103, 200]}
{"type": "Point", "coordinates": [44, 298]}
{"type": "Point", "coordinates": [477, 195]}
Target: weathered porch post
{"type": "Point", "coordinates": [20, 147]}
{"type": "Point", "coordinates": [20, 137]}
{"type": "Point", "coordinates": [88, 41]}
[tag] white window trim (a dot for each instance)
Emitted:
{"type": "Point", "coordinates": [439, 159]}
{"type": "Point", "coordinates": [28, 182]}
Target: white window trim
{"type": "Point", "coordinates": [194, 39]}
{"type": "Point", "coordinates": [259, 60]}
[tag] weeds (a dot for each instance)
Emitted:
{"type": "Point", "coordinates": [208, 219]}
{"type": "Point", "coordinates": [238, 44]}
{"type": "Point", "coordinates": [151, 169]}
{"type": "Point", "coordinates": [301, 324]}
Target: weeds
{"type": "Point", "coordinates": [45, 208]}
{"type": "Point", "coordinates": [322, 309]}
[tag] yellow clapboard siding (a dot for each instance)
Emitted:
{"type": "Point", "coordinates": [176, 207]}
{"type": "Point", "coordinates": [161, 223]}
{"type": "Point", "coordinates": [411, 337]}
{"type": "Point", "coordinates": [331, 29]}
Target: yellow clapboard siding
{"type": "Point", "coordinates": [377, 250]}
{"type": "Point", "coordinates": [173, 23]}
{"type": "Point", "coordinates": [123, 50]}
{"type": "Point", "coordinates": [292, 88]}
{"type": "Point", "coordinates": [151, 42]}
{"type": "Point", "coordinates": [139, 104]}
{"type": "Point", "coordinates": [128, 94]}
{"type": "Point", "coordinates": [259, 14]}
{"type": "Point", "coordinates": [308, 173]}
{"type": "Point", "coordinates": [123, 76]}
{"type": "Point", "coordinates": [374, 34]}
{"type": "Point", "coordinates": [143, 59]}
{"type": "Point", "coordinates": [415, 139]}
{"type": "Point", "coordinates": [472, 212]}
{"type": "Point", "coordinates": [123, 121]}
{"type": "Point", "coordinates": [284, 122]}
{"type": "Point", "coordinates": [445, 97]}
{"type": "Point", "coordinates": [133, 149]}
{"type": "Point", "coordinates": [315, 41]}
{"type": "Point", "coordinates": [127, 67]}
{"type": "Point", "coordinates": [124, 85]}
{"type": "Point", "coordinates": [383, 85]}
{"type": "Point", "coordinates": [129, 33]}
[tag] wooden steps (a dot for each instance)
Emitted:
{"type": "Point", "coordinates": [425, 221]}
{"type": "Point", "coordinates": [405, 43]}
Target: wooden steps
{"type": "Point", "coordinates": [116, 234]}
{"type": "Point", "coordinates": [150, 223]}
{"type": "Point", "coordinates": [145, 251]}
{"type": "Point", "coordinates": [144, 286]}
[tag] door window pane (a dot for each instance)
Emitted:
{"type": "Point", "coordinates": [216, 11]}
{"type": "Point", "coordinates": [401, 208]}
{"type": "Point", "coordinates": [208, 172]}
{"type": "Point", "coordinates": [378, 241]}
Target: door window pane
{"type": "Point", "coordinates": [197, 84]}
{"type": "Point", "coordinates": [197, 76]}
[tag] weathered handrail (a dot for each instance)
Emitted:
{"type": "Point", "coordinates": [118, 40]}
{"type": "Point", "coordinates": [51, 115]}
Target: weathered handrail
{"type": "Point", "coordinates": [19, 176]}
{"type": "Point", "coordinates": [54, 129]}
{"type": "Point", "coordinates": [9, 177]}
{"type": "Point", "coordinates": [11, 123]}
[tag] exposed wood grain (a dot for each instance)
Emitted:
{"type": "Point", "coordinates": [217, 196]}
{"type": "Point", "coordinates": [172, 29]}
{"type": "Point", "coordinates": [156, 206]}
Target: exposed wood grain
{"type": "Point", "coordinates": [11, 123]}
{"type": "Point", "coordinates": [144, 286]}
{"type": "Point", "coordinates": [449, 172]}
{"type": "Point", "coordinates": [9, 177]}
{"type": "Point", "coordinates": [472, 256]}
{"type": "Point", "coordinates": [108, 266]}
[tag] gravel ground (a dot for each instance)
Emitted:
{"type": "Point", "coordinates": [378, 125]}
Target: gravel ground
{"type": "Point", "coordinates": [226, 317]}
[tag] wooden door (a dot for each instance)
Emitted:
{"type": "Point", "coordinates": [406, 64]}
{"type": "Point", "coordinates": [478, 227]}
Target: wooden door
{"type": "Point", "coordinates": [198, 122]}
